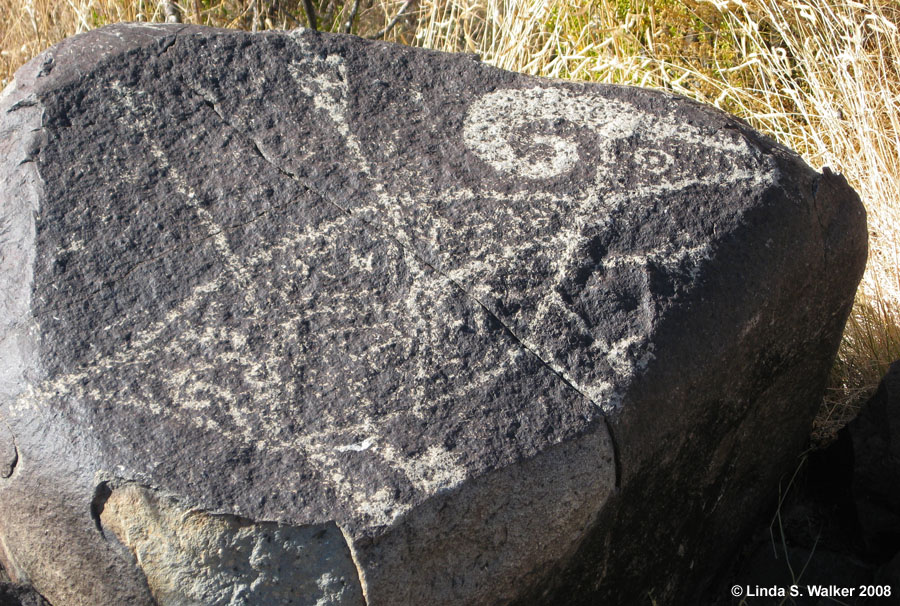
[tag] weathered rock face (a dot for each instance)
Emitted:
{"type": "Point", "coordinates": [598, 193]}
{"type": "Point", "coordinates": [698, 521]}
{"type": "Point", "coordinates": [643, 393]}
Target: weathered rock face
{"type": "Point", "coordinates": [300, 317]}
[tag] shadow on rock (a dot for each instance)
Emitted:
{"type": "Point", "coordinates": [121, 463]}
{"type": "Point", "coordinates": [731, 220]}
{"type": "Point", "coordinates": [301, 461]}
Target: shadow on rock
{"type": "Point", "coordinates": [835, 536]}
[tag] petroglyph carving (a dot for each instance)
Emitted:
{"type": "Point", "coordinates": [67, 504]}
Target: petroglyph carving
{"type": "Point", "coordinates": [532, 133]}
{"type": "Point", "coordinates": [512, 129]}
{"type": "Point", "coordinates": [395, 295]}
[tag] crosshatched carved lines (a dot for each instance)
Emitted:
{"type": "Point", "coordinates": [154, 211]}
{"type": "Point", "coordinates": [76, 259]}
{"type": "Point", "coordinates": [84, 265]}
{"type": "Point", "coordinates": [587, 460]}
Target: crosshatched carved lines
{"type": "Point", "coordinates": [531, 134]}
{"type": "Point", "coordinates": [488, 121]}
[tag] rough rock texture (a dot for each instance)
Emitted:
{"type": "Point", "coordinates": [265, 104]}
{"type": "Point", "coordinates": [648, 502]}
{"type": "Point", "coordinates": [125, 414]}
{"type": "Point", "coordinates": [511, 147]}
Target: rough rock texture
{"type": "Point", "coordinates": [889, 574]}
{"type": "Point", "coordinates": [19, 595]}
{"type": "Point", "coordinates": [875, 437]}
{"type": "Point", "coordinates": [518, 340]}
{"type": "Point", "coordinates": [192, 557]}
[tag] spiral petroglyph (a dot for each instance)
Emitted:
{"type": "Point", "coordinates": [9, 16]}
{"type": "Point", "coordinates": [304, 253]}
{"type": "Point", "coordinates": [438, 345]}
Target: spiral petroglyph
{"type": "Point", "coordinates": [513, 129]}
{"type": "Point", "coordinates": [302, 317]}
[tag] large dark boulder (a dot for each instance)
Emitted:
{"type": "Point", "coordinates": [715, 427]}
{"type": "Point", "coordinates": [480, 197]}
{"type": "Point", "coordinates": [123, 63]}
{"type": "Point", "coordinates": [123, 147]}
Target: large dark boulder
{"type": "Point", "coordinates": [296, 318]}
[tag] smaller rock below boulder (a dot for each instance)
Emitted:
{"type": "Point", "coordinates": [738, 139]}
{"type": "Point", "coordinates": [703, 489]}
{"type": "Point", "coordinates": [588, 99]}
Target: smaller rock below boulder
{"type": "Point", "coordinates": [889, 574]}
{"type": "Point", "coordinates": [194, 557]}
{"type": "Point", "coordinates": [838, 521]}
{"type": "Point", "coordinates": [875, 435]}
{"type": "Point", "coordinates": [12, 594]}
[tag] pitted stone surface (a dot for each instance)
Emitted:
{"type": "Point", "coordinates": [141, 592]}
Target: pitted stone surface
{"type": "Point", "coordinates": [321, 283]}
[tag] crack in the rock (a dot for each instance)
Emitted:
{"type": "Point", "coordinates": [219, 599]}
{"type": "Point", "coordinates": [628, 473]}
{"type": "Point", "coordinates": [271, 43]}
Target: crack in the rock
{"type": "Point", "coordinates": [378, 231]}
{"type": "Point", "coordinates": [373, 228]}
{"type": "Point", "coordinates": [102, 492]}
{"type": "Point", "coordinates": [167, 42]}
{"type": "Point", "coordinates": [360, 576]}
{"type": "Point", "coordinates": [817, 210]}
{"type": "Point", "coordinates": [29, 101]}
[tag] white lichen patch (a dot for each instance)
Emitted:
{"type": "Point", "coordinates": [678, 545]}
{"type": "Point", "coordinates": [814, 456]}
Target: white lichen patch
{"type": "Point", "coordinates": [380, 509]}
{"type": "Point", "coordinates": [431, 472]}
{"type": "Point", "coordinates": [357, 447]}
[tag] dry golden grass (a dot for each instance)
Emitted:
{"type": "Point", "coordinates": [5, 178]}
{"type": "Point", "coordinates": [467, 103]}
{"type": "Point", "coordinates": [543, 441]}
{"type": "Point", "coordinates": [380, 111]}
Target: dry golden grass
{"type": "Point", "coordinates": [821, 76]}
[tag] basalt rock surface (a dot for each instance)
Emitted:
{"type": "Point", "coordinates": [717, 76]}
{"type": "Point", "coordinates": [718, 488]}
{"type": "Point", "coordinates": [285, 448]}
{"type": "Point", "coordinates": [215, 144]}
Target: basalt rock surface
{"type": "Point", "coordinates": [298, 318]}
{"type": "Point", "coordinates": [19, 595]}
